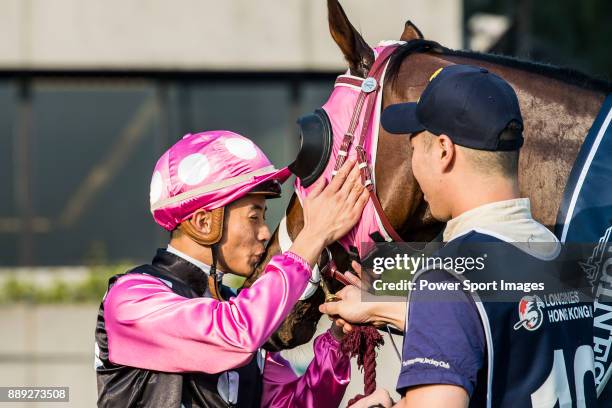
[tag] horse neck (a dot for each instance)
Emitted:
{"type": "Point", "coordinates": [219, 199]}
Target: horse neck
{"type": "Point", "coordinates": [557, 117]}
{"type": "Point", "coordinates": [397, 190]}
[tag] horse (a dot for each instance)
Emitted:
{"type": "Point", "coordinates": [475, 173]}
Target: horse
{"type": "Point", "coordinates": [558, 106]}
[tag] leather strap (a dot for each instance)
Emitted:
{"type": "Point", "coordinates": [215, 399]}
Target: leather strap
{"type": "Point", "coordinates": [383, 218]}
{"type": "Point", "coordinates": [211, 239]}
{"type": "Point", "coordinates": [330, 270]}
{"type": "Point", "coordinates": [349, 81]}
{"type": "Point", "coordinates": [213, 287]}
{"type": "Point", "coordinates": [376, 72]}
{"type": "Point", "coordinates": [350, 133]}
{"type": "Point", "coordinates": [216, 229]}
{"type": "Point", "coordinates": [213, 283]}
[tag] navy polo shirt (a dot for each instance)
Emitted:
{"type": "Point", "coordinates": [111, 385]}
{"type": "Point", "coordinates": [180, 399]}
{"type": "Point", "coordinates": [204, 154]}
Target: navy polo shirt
{"type": "Point", "coordinates": [445, 341]}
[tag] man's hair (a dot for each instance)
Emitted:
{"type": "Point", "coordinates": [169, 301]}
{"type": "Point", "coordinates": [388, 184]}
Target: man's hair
{"type": "Point", "coordinates": [503, 163]}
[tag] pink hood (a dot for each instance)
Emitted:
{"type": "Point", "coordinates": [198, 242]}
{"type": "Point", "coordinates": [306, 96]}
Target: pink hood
{"type": "Point", "coordinates": [339, 108]}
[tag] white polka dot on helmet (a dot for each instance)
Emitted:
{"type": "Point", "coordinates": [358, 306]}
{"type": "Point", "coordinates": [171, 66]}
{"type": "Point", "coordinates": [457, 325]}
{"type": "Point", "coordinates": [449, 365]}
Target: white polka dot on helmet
{"type": "Point", "coordinates": [209, 170]}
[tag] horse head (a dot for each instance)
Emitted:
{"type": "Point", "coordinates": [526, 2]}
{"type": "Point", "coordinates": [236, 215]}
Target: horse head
{"type": "Point", "coordinates": [398, 192]}
{"type": "Point", "coordinates": [396, 188]}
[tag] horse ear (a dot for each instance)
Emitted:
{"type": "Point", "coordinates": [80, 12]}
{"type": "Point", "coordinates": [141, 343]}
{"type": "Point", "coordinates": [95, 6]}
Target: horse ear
{"type": "Point", "coordinates": [411, 32]}
{"type": "Point", "coordinates": [357, 52]}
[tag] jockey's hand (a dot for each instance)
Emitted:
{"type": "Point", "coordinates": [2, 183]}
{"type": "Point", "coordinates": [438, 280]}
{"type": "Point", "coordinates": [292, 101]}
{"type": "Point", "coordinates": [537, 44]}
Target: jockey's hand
{"type": "Point", "coordinates": [378, 399]}
{"type": "Point", "coordinates": [330, 211]}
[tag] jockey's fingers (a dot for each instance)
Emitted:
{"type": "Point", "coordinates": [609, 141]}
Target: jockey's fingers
{"type": "Point", "coordinates": [360, 204]}
{"type": "Point", "coordinates": [340, 178]}
{"type": "Point", "coordinates": [318, 187]}
{"type": "Point", "coordinates": [354, 193]}
{"type": "Point", "coordinates": [352, 183]}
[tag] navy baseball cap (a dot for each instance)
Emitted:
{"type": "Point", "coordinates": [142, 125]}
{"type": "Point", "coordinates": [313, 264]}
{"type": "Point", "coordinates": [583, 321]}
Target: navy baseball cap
{"type": "Point", "coordinates": [469, 104]}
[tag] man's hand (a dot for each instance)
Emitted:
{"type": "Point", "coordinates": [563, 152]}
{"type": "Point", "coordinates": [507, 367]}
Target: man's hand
{"type": "Point", "coordinates": [337, 329]}
{"type": "Point", "coordinates": [349, 306]}
{"type": "Point", "coordinates": [379, 399]}
{"type": "Point", "coordinates": [350, 309]}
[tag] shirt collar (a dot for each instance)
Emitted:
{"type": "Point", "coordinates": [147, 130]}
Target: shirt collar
{"type": "Point", "coordinates": [204, 267]}
{"type": "Point", "coordinates": [485, 215]}
{"type": "Point", "coordinates": [510, 221]}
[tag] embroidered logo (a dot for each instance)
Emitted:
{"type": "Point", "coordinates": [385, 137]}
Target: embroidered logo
{"type": "Point", "coordinates": [530, 313]}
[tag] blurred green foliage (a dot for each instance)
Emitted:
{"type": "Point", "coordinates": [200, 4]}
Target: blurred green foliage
{"type": "Point", "coordinates": [91, 289]}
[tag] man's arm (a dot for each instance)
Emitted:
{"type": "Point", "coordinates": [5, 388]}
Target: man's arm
{"type": "Point", "coordinates": [431, 396]}
{"type": "Point", "coordinates": [354, 307]}
{"type": "Point", "coordinates": [435, 396]}
{"type": "Point", "coordinates": [444, 347]}
{"type": "Point", "coordinates": [444, 343]}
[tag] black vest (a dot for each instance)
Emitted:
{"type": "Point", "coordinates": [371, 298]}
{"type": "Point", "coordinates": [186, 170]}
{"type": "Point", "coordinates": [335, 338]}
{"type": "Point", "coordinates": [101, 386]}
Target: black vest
{"type": "Point", "coordinates": [124, 386]}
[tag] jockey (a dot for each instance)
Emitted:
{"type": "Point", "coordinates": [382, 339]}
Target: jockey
{"type": "Point", "coordinates": [169, 334]}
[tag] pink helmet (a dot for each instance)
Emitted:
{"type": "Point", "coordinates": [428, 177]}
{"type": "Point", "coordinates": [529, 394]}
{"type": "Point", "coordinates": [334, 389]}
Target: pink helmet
{"type": "Point", "coordinates": [208, 170]}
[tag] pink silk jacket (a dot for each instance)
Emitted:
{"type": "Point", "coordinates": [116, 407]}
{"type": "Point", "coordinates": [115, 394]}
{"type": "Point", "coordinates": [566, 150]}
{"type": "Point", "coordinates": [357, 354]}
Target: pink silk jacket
{"type": "Point", "coordinates": [151, 327]}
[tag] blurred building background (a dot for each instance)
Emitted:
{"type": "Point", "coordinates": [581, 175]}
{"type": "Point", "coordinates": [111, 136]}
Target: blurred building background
{"type": "Point", "coordinates": [91, 94]}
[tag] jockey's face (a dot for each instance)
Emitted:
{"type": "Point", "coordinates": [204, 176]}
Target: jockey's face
{"type": "Point", "coordinates": [244, 236]}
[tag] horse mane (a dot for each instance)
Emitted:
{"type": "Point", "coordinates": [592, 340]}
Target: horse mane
{"type": "Point", "coordinates": [566, 75]}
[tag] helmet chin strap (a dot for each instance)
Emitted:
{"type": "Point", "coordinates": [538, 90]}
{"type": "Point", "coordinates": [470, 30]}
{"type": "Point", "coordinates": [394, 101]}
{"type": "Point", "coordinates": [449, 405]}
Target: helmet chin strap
{"type": "Point", "coordinates": [213, 283]}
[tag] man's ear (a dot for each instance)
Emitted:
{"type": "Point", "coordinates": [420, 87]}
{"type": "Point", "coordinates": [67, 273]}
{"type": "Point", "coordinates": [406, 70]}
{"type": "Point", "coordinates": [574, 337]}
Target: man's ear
{"type": "Point", "coordinates": [201, 221]}
{"type": "Point", "coordinates": [446, 152]}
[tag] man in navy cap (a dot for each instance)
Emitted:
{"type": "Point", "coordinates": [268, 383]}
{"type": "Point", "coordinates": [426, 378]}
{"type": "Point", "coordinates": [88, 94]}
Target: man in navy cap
{"type": "Point", "coordinates": [466, 132]}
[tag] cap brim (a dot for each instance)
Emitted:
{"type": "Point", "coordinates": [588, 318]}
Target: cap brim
{"type": "Point", "coordinates": [280, 175]}
{"type": "Point", "coordinates": [401, 118]}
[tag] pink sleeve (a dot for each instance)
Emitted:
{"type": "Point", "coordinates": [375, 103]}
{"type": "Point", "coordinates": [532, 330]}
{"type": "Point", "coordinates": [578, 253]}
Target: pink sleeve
{"type": "Point", "coordinates": [322, 385]}
{"type": "Point", "coordinates": [149, 326]}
